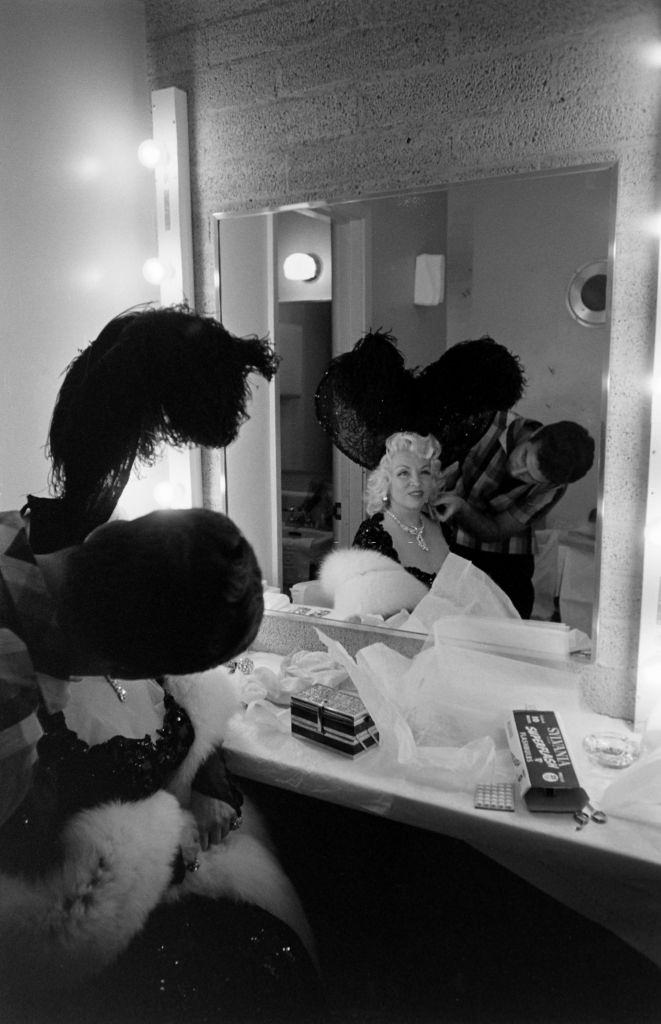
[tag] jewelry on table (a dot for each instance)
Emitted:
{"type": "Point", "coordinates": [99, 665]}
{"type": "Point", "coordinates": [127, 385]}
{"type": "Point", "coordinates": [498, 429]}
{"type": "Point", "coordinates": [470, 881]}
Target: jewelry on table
{"type": "Point", "coordinates": [120, 691]}
{"type": "Point", "coordinates": [245, 665]}
{"type": "Point", "coordinates": [417, 531]}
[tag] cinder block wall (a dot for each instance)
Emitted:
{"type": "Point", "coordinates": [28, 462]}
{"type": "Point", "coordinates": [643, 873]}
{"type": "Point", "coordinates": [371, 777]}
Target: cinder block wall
{"type": "Point", "coordinates": [313, 99]}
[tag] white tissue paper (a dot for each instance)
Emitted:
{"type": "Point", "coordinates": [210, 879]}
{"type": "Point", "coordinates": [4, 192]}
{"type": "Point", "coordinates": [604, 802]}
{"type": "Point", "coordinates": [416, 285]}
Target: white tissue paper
{"type": "Point", "coordinates": [441, 714]}
{"type": "Point", "coordinates": [460, 588]}
{"type": "Point", "coordinates": [465, 607]}
{"type": "Point", "coordinates": [429, 285]}
{"type": "Point", "coordinates": [290, 675]}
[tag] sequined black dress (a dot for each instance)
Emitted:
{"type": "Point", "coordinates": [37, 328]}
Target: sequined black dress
{"type": "Point", "coordinates": [198, 960]}
{"type": "Point", "coordinates": [371, 534]}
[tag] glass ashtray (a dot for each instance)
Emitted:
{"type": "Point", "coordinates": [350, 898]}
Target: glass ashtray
{"type": "Point", "coordinates": [611, 749]}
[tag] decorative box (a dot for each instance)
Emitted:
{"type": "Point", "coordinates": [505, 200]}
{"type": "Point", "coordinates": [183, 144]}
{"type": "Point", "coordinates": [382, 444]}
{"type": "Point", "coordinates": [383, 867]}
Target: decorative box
{"type": "Point", "coordinates": [544, 771]}
{"type": "Point", "coordinates": [334, 718]}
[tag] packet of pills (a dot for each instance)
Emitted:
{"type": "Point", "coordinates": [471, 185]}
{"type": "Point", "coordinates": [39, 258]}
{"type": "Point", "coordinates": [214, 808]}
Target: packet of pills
{"type": "Point", "coordinates": [494, 796]}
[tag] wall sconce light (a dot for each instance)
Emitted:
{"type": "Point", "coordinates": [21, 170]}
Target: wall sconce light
{"type": "Point", "coordinates": [301, 266]}
{"type": "Point", "coordinates": [150, 153]}
{"type": "Point", "coordinates": [155, 271]}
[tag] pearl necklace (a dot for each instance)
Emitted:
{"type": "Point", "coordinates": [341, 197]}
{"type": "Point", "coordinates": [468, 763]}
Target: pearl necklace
{"type": "Point", "coordinates": [417, 531]}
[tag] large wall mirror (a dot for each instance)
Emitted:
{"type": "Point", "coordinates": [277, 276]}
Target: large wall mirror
{"type": "Point", "coordinates": [525, 259]}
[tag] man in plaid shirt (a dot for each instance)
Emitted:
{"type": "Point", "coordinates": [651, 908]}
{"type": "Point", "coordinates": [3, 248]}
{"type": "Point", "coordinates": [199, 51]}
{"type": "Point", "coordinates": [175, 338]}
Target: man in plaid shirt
{"type": "Point", "coordinates": [512, 477]}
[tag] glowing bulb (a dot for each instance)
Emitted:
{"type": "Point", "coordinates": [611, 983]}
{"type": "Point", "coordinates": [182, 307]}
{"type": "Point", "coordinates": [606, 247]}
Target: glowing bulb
{"type": "Point", "coordinates": [149, 153]}
{"type": "Point", "coordinates": [301, 266]}
{"type": "Point", "coordinates": [154, 271]}
{"type": "Point", "coordinates": [169, 495]}
{"type": "Point", "coordinates": [653, 533]}
{"type": "Point", "coordinates": [651, 54]}
{"type": "Point", "coordinates": [650, 672]}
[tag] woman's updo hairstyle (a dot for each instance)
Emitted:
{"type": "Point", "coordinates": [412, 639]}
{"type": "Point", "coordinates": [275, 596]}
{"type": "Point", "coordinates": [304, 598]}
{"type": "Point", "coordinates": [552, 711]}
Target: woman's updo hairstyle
{"type": "Point", "coordinates": [426, 448]}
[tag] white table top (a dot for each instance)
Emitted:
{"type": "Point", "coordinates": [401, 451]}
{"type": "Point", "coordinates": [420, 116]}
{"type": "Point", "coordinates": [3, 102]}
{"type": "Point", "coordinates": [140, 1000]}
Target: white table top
{"type": "Point", "coordinates": [609, 872]}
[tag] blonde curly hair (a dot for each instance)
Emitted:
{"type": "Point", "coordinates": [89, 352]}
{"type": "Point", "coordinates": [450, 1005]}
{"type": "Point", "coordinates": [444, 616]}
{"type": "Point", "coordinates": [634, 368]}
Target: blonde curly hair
{"type": "Point", "coordinates": [426, 448]}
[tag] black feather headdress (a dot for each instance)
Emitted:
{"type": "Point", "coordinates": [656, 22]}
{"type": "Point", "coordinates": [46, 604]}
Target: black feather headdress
{"type": "Point", "coordinates": [368, 393]}
{"type": "Point", "coordinates": [152, 376]}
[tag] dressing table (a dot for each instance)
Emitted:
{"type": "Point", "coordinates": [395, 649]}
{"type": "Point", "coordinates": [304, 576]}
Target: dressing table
{"type": "Point", "coordinates": [610, 873]}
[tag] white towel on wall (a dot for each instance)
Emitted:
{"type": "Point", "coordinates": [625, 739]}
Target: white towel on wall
{"type": "Point", "coordinates": [429, 279]}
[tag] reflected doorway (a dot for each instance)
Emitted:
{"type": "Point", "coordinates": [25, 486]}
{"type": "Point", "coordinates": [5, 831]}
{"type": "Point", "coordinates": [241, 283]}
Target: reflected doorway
{"type": "Point", "coordinates": [304, 343]}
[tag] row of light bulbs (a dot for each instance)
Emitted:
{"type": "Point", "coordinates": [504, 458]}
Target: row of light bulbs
{"type": "Point", "coordinates": [150, 155]}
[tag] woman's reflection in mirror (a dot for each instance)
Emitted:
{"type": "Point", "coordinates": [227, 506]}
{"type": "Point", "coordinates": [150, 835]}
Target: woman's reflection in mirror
{"type": "Point", "coordinates": [400, 498]}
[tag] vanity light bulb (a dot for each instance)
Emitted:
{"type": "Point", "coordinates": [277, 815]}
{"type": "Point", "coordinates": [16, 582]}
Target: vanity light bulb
{"type": "Point", "coordinates": [301, 266]}
{"type": "Point", "coordinates": [653, 533]}
{"type": "Point", "coordinates": [654, 225]}
{"type": "Point", "coordinates": [149, 153]}
{"type": "Point", "coordinates": [169, 495]}
{"type": "Point", "coordinates": [154, 271]}
{"type": "Point", "coordinates": [651, 54]}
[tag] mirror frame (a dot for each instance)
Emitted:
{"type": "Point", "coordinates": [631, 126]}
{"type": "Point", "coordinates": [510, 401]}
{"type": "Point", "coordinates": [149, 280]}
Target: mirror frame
{"type": "Point", "coordinates": [608, 682]}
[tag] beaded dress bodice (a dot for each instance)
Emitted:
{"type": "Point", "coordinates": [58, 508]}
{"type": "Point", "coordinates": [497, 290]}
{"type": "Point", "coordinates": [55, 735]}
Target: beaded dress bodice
{"type": "Point", "coordinates": [372, 535]}
{"type": "Point", "coordinates": [71, 775]}
{"type": "Point", "coordinates": [119, 769]}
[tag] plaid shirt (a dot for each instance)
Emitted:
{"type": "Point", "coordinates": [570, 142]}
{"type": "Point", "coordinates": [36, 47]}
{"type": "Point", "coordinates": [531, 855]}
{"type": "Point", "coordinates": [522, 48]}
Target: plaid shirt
{"type": "Point", "coordinates": [31, 647]}
{"type": "Point", "coordinates": [485, 483]}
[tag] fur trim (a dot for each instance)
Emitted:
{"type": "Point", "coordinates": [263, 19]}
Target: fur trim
{"type": "Point", "coordinates": [364, 582]}
{"type": "Point", "coordinates": [210, 698]}
{"type": "Point", "coordinates": [57, 931]}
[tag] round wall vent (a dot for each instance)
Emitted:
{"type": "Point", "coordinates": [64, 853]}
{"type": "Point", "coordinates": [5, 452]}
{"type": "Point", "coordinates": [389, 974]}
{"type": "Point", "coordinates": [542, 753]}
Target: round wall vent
{"type": "Point", "coordinates": [586, 295]}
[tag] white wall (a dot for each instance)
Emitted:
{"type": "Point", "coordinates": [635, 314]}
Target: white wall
{"type": "Point", "coordinates": [528, 239]}
{"type": "Point", "coordinates": [77, 214]}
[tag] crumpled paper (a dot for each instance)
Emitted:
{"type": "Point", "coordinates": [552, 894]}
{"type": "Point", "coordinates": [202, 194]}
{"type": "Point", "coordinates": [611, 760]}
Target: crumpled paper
{"type": "Point", "coordinates": [441, 715]}
{"type": "Point", "coordinates": [296, 672]}
{"type": "Point", "coordinates": [410, 743]}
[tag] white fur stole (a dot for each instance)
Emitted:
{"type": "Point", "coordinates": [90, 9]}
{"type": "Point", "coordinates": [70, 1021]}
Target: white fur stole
{"type": "Point", "coordinates": [360, 581]}
{"type": "Point", "coordinates": [59, 930]}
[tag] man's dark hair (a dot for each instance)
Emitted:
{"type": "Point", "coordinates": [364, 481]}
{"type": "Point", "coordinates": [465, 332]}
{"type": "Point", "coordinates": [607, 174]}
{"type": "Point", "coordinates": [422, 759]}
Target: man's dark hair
{"type": "Point", "coordinates": [566, 451]}
{"type": "Point", "coordinates": [171, 592]}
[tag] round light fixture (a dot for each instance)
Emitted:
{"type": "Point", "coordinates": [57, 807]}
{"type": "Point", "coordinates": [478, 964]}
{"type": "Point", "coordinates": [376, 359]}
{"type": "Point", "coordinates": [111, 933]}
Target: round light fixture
{"type": "Point", "coordinates": [586, 295]}
{"type": "Point", "coordinates": [154, 271]}
{"type": "Point", "coordinates": [301, 266]}
{"type": "Point", "coordinates": [149, 153]}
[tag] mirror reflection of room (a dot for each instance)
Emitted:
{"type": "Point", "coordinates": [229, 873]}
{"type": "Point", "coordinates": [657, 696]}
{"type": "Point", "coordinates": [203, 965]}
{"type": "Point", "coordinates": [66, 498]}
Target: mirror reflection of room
{"type": "Point", "coordinates": [498, 258]}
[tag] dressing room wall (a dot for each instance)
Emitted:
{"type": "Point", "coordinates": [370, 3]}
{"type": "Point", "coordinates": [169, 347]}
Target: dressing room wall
{"type": "Point", "coordinates": [78, 214]}
{"type": "Point", "coordinates": [313, 99]}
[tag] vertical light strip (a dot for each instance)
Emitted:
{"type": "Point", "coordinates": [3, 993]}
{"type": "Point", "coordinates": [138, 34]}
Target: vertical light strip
{"type": "Point", "coordinates": [648, 688]}
{"type": "Point", "coordinates": [175, 247]}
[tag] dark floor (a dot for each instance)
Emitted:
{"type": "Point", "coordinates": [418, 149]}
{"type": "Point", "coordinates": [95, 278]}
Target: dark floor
{"type": "Point", "coordinates": [415, 928]}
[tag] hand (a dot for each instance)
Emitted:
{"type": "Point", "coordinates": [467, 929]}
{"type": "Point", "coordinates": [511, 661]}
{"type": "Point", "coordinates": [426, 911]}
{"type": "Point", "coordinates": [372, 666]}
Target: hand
{"type": "Point", "coordinates": [214, 818]}
{"type": "Point", "coordinates": [448, 505]}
